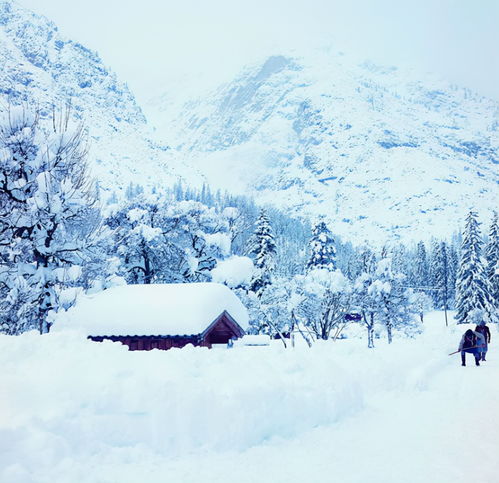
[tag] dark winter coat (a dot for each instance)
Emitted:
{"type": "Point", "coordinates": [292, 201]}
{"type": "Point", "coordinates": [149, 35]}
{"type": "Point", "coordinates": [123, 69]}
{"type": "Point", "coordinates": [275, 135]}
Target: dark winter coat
{"type": "Point", "coordinates": [481, 343]}
{"type": "Point", "coordinates": [484, 330]}
{"type": "Point", "coordinates": [468, 341]}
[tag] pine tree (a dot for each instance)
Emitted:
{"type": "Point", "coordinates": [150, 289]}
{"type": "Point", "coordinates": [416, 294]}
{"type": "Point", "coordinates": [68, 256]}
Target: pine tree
{"type": "Point", "coordinates": [422, 267]}
{"type": "Point", "coordinates": [442, 278]}
{"type": "Point", "coordinates": [323, 251]}
{"type": "Point", "coordinates": [367, 261]}
{"type": "Point", "coordinates": [263, 248]}
{"type": "Point", "coordinates": [492, 260]}
{"type": "Point", "coordinates": [433, 271]}
{"type": "Point", "coordinates": [472, 290]}
{"type": "Point", "coordinates": [453, 266]}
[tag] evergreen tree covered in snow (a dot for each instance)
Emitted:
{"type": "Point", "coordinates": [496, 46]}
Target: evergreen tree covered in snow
{"type": "Point", "coordinates": [367, 261]}
{"type": "Point", "coordinates": [472, 288]}
{"type": "Point", "coordinates": [262, 246]}
{"type": "Point", "coordinates": [45, 205]}
{"type": "Point", "coordinates": [421, 276]}
{"type": "Point", "coordinates": [432, 272]}
{"type": "Point", "coordinates": [492, 260]}
{"type": "Point", "coordinates": [323, 251]}
{"type": "Point", "coordinates": [442, 277]}
{"type": "Point", "coordinates": [453, 256]}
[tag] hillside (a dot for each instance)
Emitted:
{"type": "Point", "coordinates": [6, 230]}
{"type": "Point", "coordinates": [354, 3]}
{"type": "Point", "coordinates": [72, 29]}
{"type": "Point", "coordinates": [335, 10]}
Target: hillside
{"type": "Point", "coordinates": [377, 152]}
{"type": "Point", "coordinates": [39, 66]}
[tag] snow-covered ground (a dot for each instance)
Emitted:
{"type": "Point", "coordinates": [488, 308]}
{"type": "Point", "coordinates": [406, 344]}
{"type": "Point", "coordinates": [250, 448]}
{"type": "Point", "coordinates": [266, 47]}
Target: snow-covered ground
{"type": "Point", "coordinates": [78, 411]}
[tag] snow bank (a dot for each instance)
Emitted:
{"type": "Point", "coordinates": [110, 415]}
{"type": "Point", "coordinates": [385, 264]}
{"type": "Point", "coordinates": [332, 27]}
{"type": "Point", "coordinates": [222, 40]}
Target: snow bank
{"type": "Point", "coordinates": [66, 398]}
{"type": "Point", "coordinates": [75, 410]}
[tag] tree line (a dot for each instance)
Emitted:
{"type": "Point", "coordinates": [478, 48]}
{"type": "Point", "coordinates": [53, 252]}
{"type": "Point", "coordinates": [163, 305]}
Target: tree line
{"type": "Point", "coordinates": [61, 235]}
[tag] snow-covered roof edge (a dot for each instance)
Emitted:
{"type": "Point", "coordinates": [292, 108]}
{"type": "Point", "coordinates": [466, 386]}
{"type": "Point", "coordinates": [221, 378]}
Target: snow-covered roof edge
{"type": "Point", "coordinates": [157, 309]}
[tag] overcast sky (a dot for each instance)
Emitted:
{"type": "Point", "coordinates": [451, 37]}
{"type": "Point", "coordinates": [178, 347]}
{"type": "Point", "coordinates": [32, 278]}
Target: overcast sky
{"type": "Point", "coordinates": [150, 42]}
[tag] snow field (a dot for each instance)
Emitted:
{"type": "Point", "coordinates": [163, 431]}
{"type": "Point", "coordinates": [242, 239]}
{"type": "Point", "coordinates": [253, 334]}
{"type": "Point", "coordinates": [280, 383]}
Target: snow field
{"type": "Point", "coordinates": [74, 410]}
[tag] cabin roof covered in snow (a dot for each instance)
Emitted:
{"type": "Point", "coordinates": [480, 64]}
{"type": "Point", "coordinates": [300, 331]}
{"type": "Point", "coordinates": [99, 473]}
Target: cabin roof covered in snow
{"type": "Point", "coordinates": [159, 309]}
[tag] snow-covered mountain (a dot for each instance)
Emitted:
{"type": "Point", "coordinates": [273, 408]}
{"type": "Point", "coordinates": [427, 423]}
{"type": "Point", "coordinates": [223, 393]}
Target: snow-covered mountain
{"type": "Point", "coordinates": [373, 150]}
{"type": "Point", "coordinates": [41, 67]}
{"type": "Point", "coordinates": [369, 147]}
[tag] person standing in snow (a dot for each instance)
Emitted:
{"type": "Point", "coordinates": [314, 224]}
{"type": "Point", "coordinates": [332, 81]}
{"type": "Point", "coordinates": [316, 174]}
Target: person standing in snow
{"type": "Point", "coordinates": [485, 331]}
{"type": "Point", "coordinates": [480, 344]}
{"type": "Point", "coordinates": [468, 344]}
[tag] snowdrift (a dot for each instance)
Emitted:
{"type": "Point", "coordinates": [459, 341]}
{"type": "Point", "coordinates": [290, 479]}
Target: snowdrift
{"type": "Point", "coordinates": [76, 410]}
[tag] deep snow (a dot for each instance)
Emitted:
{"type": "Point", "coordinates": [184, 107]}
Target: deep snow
{"type": "Point", "coordinates": [72, 410]}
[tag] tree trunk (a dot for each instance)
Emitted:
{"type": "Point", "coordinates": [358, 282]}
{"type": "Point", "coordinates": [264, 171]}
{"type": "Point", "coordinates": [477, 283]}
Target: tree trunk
{"type": "Point", "coordinates": [370, 337]}
{"type": "Point", "coordinates": [370, 333]}
{"type": "Point", "coordinates": [147, 267]}
{"type": "Point", "coordinates": [389, 332]}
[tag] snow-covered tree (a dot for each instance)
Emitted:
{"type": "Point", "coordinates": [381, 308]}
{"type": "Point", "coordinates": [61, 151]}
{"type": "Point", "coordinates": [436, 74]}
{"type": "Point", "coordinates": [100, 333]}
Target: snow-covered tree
{"type": "Point", "coordinates": [325, 300]}
{"type": "Point", "coordinates": [45, 205]}
{"type": "Point", "coordinates": [390, 297]}
{"type": "Point", "coordinates": [432, 271]}
{"type": "Point", "coordinates": [442, 277]}
{"type": "Point", "coordinates": [492, 261]}
{"type": "Point", "coordinates": [365, 301]}
{"type": "Point", "coordinates": [453, 256]}
{"type": "Point", "coordinates": [472, 288]}
{"type": "Point", "coordinates": [400, 258]}
{"type": "Point", "coordinates": [322, 248]}
{"type": "Point", "coordinates": [420, 303]}
{"type": "Point", "coordinates": [421, 275]}
{"type": "Point", "coordinates": [262, 246]}
{"type": "Point", "coordinates": [161, 242]}
{"type": "Point", "coordinates": [201, 234]}
{"type": "Point", "coordinates": [138, 239]}
{"type": "Point", "coordinates": [270, 313]}
{"type": "Point", "coordinates": [367, 261]}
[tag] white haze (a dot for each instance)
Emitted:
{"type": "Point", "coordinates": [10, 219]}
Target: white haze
{"type": "Point", "coordinates": [153, 44]}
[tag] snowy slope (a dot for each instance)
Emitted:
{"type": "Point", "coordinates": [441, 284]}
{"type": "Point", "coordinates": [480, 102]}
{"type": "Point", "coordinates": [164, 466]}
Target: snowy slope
{"type": "Point", "coordinates": [75, 410]}
{"type": "Point", "coordinates": [377, 152]}
{"type": "Point", "coordinates": [41, 67]}
{"type": "Point", "coordinates": [370, 147]}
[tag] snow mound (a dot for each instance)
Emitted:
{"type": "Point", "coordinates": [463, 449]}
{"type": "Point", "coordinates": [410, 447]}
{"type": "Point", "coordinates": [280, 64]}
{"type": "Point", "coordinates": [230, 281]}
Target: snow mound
{"type": "Point", "coordinates": [75, 410]}
{"type": "Point", "coordinates": [234, 272]}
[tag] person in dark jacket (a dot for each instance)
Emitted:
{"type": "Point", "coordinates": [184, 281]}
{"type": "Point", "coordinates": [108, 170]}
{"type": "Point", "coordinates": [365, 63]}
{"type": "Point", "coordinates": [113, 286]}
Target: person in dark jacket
{"type": "Point", "coordinates": [485, 331]}
{"type": "Point", "coordinates": [468, 344]}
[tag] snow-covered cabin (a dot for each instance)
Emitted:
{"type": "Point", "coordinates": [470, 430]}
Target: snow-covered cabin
{"type": "Point", "coordinates": [161, 316]}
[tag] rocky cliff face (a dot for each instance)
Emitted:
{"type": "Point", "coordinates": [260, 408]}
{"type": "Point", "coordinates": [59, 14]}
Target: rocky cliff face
{"type": "Point", "coordinates": [38, 66]}
{"type": "Point", "coordinates": [369, 147]}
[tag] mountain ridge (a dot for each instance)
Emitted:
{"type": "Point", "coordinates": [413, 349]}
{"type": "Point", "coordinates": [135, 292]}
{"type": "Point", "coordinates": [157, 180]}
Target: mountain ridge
{"type": "Point", "coordinates": [367, 146]}
{"type": "Point", "coordinates": [39, 66]}
{"type": "Point", "coordinates": [373, 149]}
